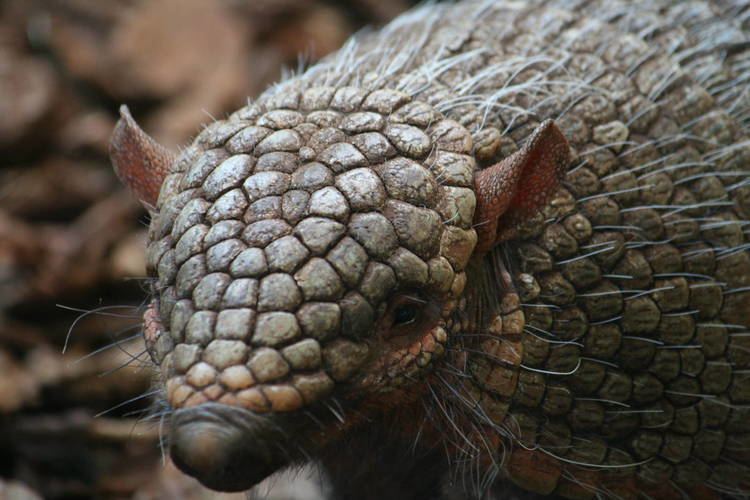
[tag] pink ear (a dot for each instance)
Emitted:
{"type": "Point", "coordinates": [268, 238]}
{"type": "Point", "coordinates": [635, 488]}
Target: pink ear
{"type": "Point", "coordinates": [139, 161]}
{"type": "Point", "coordinates": [520, 185]}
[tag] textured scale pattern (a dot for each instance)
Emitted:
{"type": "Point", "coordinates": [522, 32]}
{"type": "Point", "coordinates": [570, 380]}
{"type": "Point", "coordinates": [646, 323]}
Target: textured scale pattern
{"type": "Point", "coordinates": [614, 358]}
{"type": "Point", "coordinates": [286, 229]}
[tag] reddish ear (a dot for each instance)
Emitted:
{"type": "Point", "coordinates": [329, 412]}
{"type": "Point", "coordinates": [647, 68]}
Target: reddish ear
{"type": "Point", "coordinates": [139, 161]}
{"type": "Point", "coordinates": [520, 185]}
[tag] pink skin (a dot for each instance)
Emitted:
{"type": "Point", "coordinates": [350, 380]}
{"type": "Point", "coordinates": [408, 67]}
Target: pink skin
{"type": "Point", "coordinates": [151, 325]}
{"type": "Point", "coordinates": [140, 162]}
{"type": "Point", "coordinates": [519, 186]}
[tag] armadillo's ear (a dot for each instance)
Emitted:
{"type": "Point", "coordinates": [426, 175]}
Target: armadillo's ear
{"type": "Point", "coordinates": [139, 161]}
{"type": "Point", "coordinates": [520, 185]}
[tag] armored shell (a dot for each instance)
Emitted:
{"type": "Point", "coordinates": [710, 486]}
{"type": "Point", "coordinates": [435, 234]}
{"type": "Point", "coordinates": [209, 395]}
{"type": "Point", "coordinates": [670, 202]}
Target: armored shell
{"type": "Point", "coordinates": [613, 358]}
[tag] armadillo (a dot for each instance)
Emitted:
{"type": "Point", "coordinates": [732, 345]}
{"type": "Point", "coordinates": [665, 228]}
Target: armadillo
{"type": "Point", "coordinates": [492, 243]}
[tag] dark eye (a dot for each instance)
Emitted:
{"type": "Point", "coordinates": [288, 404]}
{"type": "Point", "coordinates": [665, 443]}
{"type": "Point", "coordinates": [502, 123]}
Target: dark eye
{"type": "Point", "coordinates": [405, 314]}
{"type": "Point", "coordinates": [409, 314]}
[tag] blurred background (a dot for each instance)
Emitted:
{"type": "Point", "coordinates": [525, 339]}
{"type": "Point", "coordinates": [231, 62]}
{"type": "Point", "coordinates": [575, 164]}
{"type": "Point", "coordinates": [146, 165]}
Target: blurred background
{"type": "Point", "coordinates": [75, 425]}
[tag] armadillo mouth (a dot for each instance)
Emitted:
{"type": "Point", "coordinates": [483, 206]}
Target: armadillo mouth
{"type": "Point", "coordinates": [226, 448]}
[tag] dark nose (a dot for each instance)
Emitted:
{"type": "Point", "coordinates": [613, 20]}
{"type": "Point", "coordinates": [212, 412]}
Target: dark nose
{"type": "Point", "coordinates": [225, 448]}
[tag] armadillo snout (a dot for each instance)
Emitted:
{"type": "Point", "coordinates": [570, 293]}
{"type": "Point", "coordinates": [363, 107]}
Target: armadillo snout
{"type": "Point", "coordinates": [225, 448]}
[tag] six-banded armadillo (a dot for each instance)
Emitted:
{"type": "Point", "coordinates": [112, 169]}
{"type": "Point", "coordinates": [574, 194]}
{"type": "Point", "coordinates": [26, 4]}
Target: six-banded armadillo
{"type": "Point", "coordinates": [492, 242]}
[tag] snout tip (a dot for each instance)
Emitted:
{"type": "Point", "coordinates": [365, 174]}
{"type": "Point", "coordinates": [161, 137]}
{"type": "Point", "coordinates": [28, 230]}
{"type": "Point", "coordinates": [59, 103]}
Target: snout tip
{"type": "Point", "coordinates": [225, 448]}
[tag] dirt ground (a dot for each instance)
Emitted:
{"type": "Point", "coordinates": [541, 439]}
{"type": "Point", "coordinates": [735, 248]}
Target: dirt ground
{"type": "Point", "coordinates": [77, 424]}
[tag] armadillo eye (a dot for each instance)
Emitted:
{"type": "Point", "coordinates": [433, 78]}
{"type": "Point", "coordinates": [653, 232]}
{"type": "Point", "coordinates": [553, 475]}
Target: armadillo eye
{"type": "Point", "coordinates": [409, 314]}
{"type": "Point", "coordinates": [405, 314]}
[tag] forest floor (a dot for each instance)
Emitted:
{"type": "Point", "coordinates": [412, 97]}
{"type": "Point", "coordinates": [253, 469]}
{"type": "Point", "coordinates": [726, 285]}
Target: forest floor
{"type": "Point", "coordinates": [77, 424]}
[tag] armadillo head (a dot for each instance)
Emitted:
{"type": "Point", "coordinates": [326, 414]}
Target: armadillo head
{"type": "Point", "coordinates": [310, 259]}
